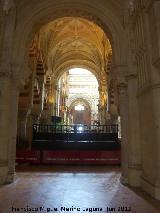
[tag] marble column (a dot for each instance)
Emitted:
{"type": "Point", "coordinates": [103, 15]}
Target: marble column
{"type": "Point", "coordinates": [123, 108]}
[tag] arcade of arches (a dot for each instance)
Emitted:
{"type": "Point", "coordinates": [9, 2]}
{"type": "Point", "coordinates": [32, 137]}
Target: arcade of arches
{"type": "Point", "coordinates": [117, 41]}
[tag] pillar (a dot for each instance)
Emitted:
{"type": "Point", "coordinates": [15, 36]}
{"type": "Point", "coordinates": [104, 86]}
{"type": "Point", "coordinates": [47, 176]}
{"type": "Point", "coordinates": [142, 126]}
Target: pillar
{"type": "Point", "coordinates": [12, 142]}
{"type": "Point", "coordinates": [119, 73]}
{"type": "Point", "coordinates": [149, 103]}
{"type": "Point", "coordinates": [22, 126]}
{"type": "Point", "coordinates": [150, 134]}
{"type": "Point", "coordinates": [134, 143]}
{"type": "Point", "coordinates": [8, 127]}
{"type": "Point", "coordinates": [8, 96]}
{"type": "Point", "coordinates": [123, 108]}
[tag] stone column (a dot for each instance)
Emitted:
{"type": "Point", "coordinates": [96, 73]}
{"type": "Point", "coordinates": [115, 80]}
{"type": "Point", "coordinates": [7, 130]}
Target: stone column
{"type": "Point", "coordinates": [5, 95]}
{"type": "Point", "coordinates": [156, 131]}
{"type": "Point", "coordinates": [13, 127]}
{"type": "Point", "coordinates": [150, 135]}
{"type": "Point", "coordinates": [8, 96]}
{"type": "Point", "coordinates": [134, 143]}
{"type": "Point", "coordinates": [50, 112]}
{"type": "Point", "coordinates": [44, 117]}
{"type": "Point", "coordinates": [22, 125]}
{"type": "Point", "coordinates": [149, 104]}
{"type": "Point", "coordinates": [119, 73]}
{"type": "Point", "coordinates": [123, 108]}
{"type": "Point", "coordinates": [33, 118]}
{"type": "Point", "coordinates": [8, 126]}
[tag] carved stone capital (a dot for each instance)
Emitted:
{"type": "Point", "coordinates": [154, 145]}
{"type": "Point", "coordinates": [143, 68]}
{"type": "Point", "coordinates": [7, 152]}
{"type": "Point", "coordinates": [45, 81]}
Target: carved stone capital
{"type": "Point", "coordinates": [131, 7]}
{"type": "Point", "coordinates": [122, 89]}
{"type": "Point", "coordinates": [5, 74]}
{"type": "Point", "coordinates": [120, 69]}
{"type": "Point", "coordinates": [7, 5]}
{"type": "Point", "coordinates": [131, 76]}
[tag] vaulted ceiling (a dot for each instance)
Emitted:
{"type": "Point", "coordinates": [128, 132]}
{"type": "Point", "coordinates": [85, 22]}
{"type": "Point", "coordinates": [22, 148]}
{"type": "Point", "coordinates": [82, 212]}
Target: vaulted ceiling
{"type": "Point", "coordinates": [68, 42]}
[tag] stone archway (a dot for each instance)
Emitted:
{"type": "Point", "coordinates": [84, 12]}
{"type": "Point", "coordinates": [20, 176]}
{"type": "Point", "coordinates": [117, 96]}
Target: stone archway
{"type": "Point", "coordinates": [75, 64]}
{"type": "Point", "coordinates": [132, 29]}
{"type": "Point", "coordinates": [30, 18]}
{"type": "Point", "coordinates": [83, 117]}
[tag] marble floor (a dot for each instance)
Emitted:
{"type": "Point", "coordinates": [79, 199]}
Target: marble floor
{"type": "Point", "coordinates": [72, 189]}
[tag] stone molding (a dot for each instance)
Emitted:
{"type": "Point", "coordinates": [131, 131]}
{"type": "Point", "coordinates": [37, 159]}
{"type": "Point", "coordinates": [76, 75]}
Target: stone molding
{"type": "Point", "coordinates": [3, 163]}
{"type": "Point", "coordinates": [135, 166]}
{"type": "Point", "coordinates": [152, 189]}
{"type": "Point", "coordinates": [131, 76]}
{"type": "Point", "coordinates": [148, 89]}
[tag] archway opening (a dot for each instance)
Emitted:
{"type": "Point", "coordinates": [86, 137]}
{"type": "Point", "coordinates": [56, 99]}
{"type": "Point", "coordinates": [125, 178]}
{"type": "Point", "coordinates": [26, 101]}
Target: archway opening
{"type": "Point", "coordinates": [70, 83]}
{"type": "Point", "coordinates": [78, 97]}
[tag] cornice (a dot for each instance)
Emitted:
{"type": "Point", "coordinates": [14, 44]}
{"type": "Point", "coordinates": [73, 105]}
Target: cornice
{"type": "Point", "coordinates": [147, 89]}
{"type": "Point", "coordinates": [5, 74]}
{"type": "Point", "coordinates": [131, 76]}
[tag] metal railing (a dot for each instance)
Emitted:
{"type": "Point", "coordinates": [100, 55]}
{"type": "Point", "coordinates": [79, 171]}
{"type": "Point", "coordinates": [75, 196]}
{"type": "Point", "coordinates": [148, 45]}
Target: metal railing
{"type": "Point", "coordinates": [77, 128]}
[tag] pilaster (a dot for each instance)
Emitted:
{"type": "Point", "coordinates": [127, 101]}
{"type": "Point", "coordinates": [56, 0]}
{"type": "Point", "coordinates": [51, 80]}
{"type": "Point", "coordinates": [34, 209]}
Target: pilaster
{"type": "Point", "coordinates": [150, 179]}
{"type": "Point", "coordinates": [13, 127]}
{"type": "Point", "coordinates": [119, 75]}
{"type": "Point", "coordinates": [134, 143]}
{"type": "Point", "coordinates": [123, 108]}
